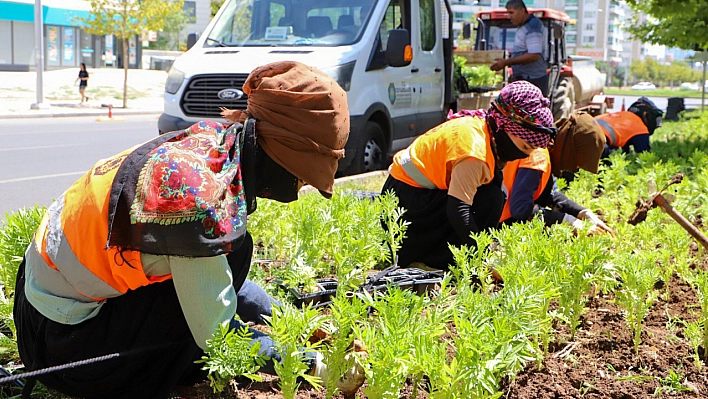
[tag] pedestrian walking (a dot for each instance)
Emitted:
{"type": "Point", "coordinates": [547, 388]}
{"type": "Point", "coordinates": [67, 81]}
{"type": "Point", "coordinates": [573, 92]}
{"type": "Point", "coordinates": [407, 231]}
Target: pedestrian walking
{"type": "Point", "coordinates": [83, 82]}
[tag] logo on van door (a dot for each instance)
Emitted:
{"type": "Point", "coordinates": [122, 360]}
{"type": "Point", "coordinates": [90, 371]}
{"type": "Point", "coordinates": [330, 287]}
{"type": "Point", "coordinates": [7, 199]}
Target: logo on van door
{"type": "Point", "coordinates": [230, 94]}
{"type": "Point", "coordinates": [392, 93]}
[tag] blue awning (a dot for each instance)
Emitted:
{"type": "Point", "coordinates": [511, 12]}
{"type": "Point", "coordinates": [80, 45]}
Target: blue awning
{"type": "Point", "coordinates": [23, 12]}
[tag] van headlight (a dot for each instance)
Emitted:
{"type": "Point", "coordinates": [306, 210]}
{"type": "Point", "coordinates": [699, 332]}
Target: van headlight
{"type": "Point", "coordinates": [175, 77]}
{"type": "Point", "coordinates": [342, 74]}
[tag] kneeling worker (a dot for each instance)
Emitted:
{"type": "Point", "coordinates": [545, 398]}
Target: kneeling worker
{"type": "Point", "coordinates": [630, 128]}
{"type": "Point", "coordinates": [148, 252]}
{"type": "Point", "coordinates": [449, 179]}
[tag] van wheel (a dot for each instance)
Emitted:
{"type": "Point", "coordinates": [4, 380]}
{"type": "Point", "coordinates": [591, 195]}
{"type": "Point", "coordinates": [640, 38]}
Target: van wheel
{"type": "Point", "coordinates": [370, 151]}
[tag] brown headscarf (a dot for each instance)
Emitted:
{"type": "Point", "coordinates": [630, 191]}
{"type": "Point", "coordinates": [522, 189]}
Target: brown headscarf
{"type": "Point", "coordinates": [578, 144]}
{"type": "Point", "coordinates": [302, 119]}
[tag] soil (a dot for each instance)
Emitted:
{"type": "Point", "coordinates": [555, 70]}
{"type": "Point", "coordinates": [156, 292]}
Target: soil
{"type": "Point", "coordinates": [599, 363]}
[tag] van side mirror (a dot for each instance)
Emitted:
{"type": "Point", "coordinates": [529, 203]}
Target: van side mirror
{"type": "Point", "coordinates": [192, 39]}
{"type": "Point", "coordinates": [466, 30]}
{"type": "Point", "coordinates": [398, 42]}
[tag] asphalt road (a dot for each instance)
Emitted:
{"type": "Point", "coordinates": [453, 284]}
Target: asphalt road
{"type": "Point", "coordinates": [40, 158]}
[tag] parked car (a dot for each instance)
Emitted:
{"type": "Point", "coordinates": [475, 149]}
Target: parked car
{"type": "Point", "coordinates": [644, 86]}
{"type": "Point", "coordinates": [689, 86]}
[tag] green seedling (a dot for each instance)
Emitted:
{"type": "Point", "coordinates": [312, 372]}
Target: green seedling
{"type": "Point", "coordinates": [694, 332]}
{"type": "Point", "coordinates": [699, 281]}
{"type": "Point", "coordinates": [16, 233]}
{"type": "Point", "coordinates": [671, 383]}
{"type": "Point", "coordinates": [636, 295]}
{"type": "Point", "coordinates": [585, 266]}
{"type": "Point", "coordinates": [395, 225]}
{"type": "Point", "coordinates": [391, 333]}
{"type": "Point", "coordinates": [346, 312]}
{"type": "Point", "coordinates": [231, 354]}
{"type": "Point", "coordinates": [291, 329]}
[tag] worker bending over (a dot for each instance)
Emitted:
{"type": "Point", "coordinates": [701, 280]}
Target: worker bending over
{"type": "Point", "coordinates": [148, 252]}
{"type": "Point", "coordinates": [630, 128]}
{"type": "Point", "coordinates": [531, 184]}
{"type": "Point", "coordinates": [449, 179]}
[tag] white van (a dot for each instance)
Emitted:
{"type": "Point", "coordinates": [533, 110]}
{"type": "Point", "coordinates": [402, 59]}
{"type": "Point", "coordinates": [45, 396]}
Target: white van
{"type": "Point", "coordinates": [366, 45]}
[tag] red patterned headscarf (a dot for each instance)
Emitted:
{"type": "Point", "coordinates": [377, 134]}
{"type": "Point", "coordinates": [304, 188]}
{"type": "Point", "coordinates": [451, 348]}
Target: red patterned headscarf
{"type": "Point", "coordinates": [523, 111]}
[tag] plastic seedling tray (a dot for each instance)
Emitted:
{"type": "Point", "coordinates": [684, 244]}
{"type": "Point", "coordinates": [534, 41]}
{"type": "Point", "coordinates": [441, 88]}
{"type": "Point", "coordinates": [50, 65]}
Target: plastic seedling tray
{"type": "Point", "coordinates": [417, 280]}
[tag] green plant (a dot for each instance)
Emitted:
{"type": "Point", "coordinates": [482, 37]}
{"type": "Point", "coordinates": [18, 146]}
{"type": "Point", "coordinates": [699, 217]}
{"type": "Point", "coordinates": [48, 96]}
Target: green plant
{"type": "Point", "coordinates": [391, 333]}
{"type": "Point", "coordinates": [480, 76]}
{"type": "Point", "coordinates": [291, 329]}
{"type": "Point", "coordinates": [694, 332]}
{"type": "Point", "coordinates": [575, 277]}
{"type": "Point", "coordinates": [230, 354]}
{"type": "Point", "coordinates": [345, 313]}
{"type": "Point", "coordinates": [636, 295]}
{"type": "Point", "coordinates": [395, 225]}
{"type": "Point", "coordinates": [671, 383]}
{"type": "Point", "coordinates": [16, 233]}
{"type": "Point", "coordinates": [699, 281]}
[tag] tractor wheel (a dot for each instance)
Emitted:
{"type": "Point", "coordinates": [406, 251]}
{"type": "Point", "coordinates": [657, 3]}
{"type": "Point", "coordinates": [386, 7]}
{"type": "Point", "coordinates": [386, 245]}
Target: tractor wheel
{"type": "Point", "coordinates": [563, 99]}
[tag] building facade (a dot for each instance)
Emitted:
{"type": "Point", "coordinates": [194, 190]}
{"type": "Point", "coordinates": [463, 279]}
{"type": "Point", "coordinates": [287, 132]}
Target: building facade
{"type": "Point", "coordinates": [597, 30]}
{"type": "Point", "coordinates": [66, 45]}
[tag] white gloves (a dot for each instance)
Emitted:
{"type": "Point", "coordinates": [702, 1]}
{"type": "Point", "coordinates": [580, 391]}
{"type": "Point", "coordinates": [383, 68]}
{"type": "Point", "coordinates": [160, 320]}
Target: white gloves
{"type": "Point", "coordinates": [573, 221]}
{"type": "Point", "coordinates": [598, 225]}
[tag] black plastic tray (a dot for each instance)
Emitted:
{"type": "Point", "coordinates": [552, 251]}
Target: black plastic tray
{"type": "Point", "coordinates": [417, 280]}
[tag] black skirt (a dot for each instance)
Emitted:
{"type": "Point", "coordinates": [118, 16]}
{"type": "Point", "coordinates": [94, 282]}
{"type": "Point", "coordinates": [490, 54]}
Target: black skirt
{"type": "Point", "coordinates": [430, 231]}
{"type": "Point", "coordinates": [146, 326]}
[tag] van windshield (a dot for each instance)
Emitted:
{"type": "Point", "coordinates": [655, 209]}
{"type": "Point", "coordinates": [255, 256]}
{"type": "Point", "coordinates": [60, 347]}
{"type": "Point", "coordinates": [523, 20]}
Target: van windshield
{"type": "Point", "coordinates": [290, 23]}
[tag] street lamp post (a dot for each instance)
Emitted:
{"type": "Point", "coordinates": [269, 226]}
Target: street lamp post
{"type": "Point", "coordinates": [39, 54]}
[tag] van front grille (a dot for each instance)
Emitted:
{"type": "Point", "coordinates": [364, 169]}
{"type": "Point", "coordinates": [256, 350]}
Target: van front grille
{"type": "Point", "coordinates": [201, 97]}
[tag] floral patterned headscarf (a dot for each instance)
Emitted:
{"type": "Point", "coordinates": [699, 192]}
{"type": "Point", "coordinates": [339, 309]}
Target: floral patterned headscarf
{"type": "Point", "coordinates": [182, 194]}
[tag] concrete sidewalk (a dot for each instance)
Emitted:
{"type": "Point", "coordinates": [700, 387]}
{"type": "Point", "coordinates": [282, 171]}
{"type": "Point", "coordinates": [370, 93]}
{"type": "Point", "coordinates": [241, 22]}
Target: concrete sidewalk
{"type": "Point", "coordinates": [61, 93]}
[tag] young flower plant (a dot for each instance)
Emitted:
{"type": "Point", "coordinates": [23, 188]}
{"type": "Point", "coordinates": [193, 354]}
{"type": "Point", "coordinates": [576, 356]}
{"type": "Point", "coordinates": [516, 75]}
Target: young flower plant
{"type": "Point", "coordinates": [231, 354]}
{"type": "Point", "coordinates": [636, 294]}
{"type": "Point", "coordinates": [291, 329]}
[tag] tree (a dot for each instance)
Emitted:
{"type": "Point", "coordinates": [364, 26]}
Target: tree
{"type": "Point", "coordinates": [673, 23]}
{"type": "Point", "coordinates": [215, 5]}
{"type": "Point", "coordinates": [172, 28]}
{"type": "Point", "coordinates": [126, 19]}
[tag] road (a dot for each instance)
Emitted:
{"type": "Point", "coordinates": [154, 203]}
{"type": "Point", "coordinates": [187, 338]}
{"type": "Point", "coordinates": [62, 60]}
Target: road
{"type": "Point", "coordinates": [40, 158]}
{"type": "Point", "coordinates": [661, 102]}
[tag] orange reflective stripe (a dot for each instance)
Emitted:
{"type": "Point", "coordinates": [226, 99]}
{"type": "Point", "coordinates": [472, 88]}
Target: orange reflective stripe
{"type": "Point", "coordinates": [540, 160]}
{"type": "Point", "coordinates": [436, 152]}
{"type": "Point", "coordinates": [84, 221]}
{"type": "Point", "coordinates": [621, 126]}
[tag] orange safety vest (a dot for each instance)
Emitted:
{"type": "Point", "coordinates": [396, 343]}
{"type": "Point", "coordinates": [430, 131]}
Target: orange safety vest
{"type": "Point", "coordinates": [428, 161]}
{"type": "Point", "coordinates": [72, 240]}
{"type": "Point", "coordinates": [539, 159]}
{"type": "Point", "coordinates": [621, 126]}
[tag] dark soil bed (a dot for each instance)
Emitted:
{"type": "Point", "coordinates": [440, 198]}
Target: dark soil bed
{"type": "Point", "coordinates": [601, 364]}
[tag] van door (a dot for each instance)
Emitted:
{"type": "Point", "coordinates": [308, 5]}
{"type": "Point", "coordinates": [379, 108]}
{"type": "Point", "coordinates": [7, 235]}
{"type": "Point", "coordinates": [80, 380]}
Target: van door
{"type": "Point", "coordinates": [402, 101]}
{"type": "Point", "coordinates": [428, 65]}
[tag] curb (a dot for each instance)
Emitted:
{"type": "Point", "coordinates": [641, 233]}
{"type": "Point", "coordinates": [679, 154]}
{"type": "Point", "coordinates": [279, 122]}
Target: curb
{"type": "Point", "coordinates": [347, 179]}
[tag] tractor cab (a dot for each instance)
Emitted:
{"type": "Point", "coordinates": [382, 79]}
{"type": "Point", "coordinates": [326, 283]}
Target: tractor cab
{"type": "Point", "coordinates": [495, 32]}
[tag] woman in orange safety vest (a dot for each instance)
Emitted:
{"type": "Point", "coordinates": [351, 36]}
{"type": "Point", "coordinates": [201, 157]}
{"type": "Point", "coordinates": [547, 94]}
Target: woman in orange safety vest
{"type": "Point", "coordinates": [449, 179]}
{"type": "Point", "coordinates": [147, 254]}
{"type": "Point", "coordinates": [630, 128]}
{"type": "Point", "coordinates": [531, 183]}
